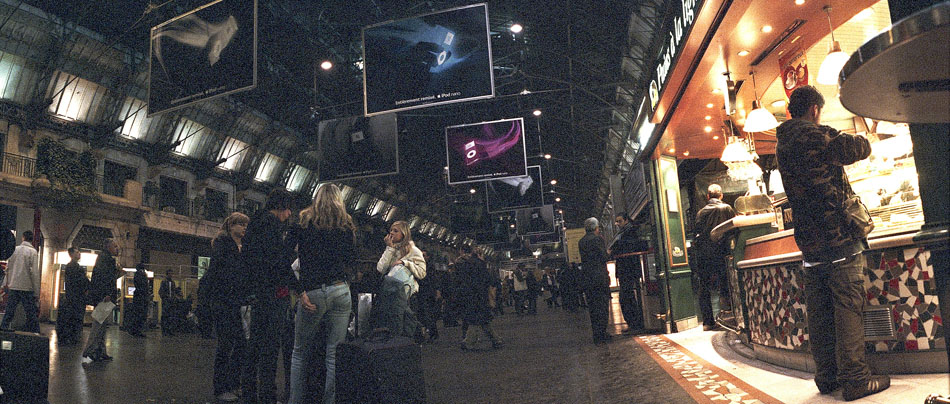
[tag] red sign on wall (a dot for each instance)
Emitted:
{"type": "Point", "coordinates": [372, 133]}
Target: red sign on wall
{"type": "Point", "coordinates": [794, 68]}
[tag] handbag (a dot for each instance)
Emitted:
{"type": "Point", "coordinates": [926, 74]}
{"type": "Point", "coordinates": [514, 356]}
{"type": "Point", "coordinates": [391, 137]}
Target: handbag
{"type": "Point", "coordinates": [858, 216]}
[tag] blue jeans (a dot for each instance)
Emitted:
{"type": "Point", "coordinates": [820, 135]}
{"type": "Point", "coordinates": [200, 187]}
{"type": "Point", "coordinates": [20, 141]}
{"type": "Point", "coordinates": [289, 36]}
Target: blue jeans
{"type": "Point", "coordinates": [333, 309]}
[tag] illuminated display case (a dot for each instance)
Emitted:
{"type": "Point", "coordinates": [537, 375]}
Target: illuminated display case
{"type": "Point", "coordinates": [887, 180]}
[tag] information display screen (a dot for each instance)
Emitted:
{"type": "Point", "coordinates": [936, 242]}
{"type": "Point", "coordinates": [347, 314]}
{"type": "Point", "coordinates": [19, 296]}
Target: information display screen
{"type": "Point", "coordinates": [536, 220]}
{"type": "Point", "coordinates": [430, 59]}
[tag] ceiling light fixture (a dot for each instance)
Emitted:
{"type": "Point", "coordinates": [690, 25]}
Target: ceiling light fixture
{"type": "Point", "coordinates": [766, 29]}
{"type": "Point", "coordinates": [707, 117]}
{"type": "Point", "coordinates": [716, 137]}
{"type": "Point", "coordinates": [760, 119]}
{"type": "Point", "coordinates": [743, 53]}
{"type": "Point", "coordinates": [536, 112]}
{"type": "Point", "coordinates": [326, 65]}
{"type": "Point", "coordinates": [686, 153]}
{"type": "Point", "coordinates": [558, 199]}
{"type": "Point", "coordinates": [831, 66]}
{"type": "Point", "coordinates": [516, 28]}
{"type": "Point", "coordinates": [799, 2]}
{"type": "Point", "coordinates": [710, 105]}
{"type": "Point", "coordinates": [672, 150]}
{"type": "Point", "coordinates": [547, 156]}
{"type": "Point", "coordinates": [471, 191]}
{"type": "Point", "coordinates": [553, 182]}
{"type": "Point", "coordinates": [778, 103]}
{"type": "Point", "coordinates": [708, 129]}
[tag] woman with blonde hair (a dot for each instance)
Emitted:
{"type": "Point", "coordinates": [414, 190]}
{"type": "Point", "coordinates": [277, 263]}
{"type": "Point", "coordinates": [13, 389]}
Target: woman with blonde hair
{"type": "Point", "coordinates": [402, 265]}
{"type": "Point", "coordinates": [326, 243]}
{"type": "Point", "coordinates": [224, 288]}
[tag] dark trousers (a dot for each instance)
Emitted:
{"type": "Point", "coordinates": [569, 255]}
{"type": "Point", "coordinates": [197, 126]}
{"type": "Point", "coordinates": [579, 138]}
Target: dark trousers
{"type": "Point", "coordinates": [712, 275]}
{"type": "Point", "coordinates": [552, 301]}
{"type": "Point", "coordinates": [231, 347]}
{"type": "Point", "coordinates": [598, 300]}
{"type": "Point", "coordinates": [30, 310]}
{"type": "Point", "coordinates": [267, 317]}
{"type": "Point", "coordinates": [69, 322]}
{"type": "Point", "coordinates": [630, 304]}
{"type": "Point", "coordinates": [532, 302]}
{"type": "Point", "coordinates": [429, 314]}
{"type": "Point", "coordinates": [137, 314]}
{"type": "Point", "coordinates": [834, 298]}
{"type": "Point", "coordinates": [520, 298]}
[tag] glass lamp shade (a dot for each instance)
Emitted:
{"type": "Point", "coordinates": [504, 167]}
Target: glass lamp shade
{"type": "Point", "coordinates": [736, 151]}
{"type": "Point", "coordinates": [759, 120]}
{"type": "Point", "coordinates": [831, 66]}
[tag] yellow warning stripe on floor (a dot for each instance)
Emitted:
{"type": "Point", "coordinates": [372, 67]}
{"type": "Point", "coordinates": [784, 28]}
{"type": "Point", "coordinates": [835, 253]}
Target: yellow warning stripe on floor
{"type": "Point", "coordinates": [702, 380]}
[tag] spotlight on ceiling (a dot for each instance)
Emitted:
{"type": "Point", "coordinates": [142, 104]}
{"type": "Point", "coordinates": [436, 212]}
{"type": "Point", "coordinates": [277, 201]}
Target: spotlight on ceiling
{"type": "Point", "coordinates": [516, 28]}
{"type": "Point", "coordinates": [553, 182]}
{"type": "Point", "coordinates": [558, 199]}
{"type": "Point", "coordinates": [547, 156]}
{"type": "Point", "coordinates": [536, 112]}
{"type": "Point", "coordinates": [471, 191]}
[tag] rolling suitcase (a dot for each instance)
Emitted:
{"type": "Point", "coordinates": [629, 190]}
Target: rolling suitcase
{"type": "Point", "coordinates": [24, 367]}
{"type": "Point", "coordinates": [380, 369]}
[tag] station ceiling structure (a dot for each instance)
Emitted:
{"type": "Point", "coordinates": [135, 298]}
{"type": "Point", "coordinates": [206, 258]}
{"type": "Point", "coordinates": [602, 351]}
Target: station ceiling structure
{"type": "Point", "coordinates": [583, 64]}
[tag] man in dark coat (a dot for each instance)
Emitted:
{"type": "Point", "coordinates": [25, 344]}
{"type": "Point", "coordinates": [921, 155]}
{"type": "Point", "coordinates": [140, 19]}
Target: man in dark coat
{"type": "Point", "coordinates": [268, 257]}
{"type": "Point", "coordinates": [474, 290]}
{"type": "Point", "coordinates": [141, 299]}
{"type": "Point", "coordinates": [710, 256]}
{"type": "Point", "coordinates": [594, 263]}
{"type": "Point", "coordinates": [102, 290]}
{"type": "Point", "coordinates": [72, 308]}
{"type": "Point", "coordinates": [628, 272]}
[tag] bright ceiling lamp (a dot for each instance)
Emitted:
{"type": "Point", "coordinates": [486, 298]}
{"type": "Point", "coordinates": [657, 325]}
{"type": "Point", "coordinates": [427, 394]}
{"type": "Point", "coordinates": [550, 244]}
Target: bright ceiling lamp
{"type": "Point", "coordinates": [831, 66]}
{"type": "Point", "coordinates": [739, 160]}
{"type": "Point", "coordinates": [760, 119]}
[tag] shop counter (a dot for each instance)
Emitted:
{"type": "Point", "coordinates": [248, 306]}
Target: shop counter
{"type": "Point", "coordinates": [903, 329]}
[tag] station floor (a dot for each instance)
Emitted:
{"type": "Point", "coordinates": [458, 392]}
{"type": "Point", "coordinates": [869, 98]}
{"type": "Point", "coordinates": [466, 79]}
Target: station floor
{"type": "Point", "coordinates": [547, 358]}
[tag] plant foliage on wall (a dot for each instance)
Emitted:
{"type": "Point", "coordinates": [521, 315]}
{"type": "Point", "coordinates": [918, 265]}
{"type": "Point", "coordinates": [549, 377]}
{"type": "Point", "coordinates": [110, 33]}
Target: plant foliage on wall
{"type": "Point", "coordinates": [72, 176]}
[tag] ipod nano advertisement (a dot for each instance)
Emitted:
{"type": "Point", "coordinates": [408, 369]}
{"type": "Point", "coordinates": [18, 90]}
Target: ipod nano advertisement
{"type": "Point", "coordinates": [485, 151]}
{"type": "Point", "coordinates": [358, 147]}
{"type": "Point", "coordinates": [431, 59]}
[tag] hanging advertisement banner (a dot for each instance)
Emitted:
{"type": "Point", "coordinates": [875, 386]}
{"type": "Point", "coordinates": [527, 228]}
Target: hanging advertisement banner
{"type": "Point", "coordinates": [358, 147]}
{"type": "Point", "coordinates": [515, 193]}
{"type": "Point", "coordinates": [208, 52]}
{"type": "Point", "coordinates": [486, 151]}
{"type": "Point", "coordinates": [427, 60]}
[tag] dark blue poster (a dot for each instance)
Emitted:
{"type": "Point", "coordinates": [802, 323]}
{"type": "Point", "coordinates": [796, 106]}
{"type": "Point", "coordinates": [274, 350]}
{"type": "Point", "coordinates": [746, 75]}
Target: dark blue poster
{"type": "Point", "coordinates": [485, 151]}
{"type": "Point", "coordinates": [431, 59]}
{"type": "Point", "coordinates": [358, 147]}
{"type": "Point", "coordinates": [205, 53]}
{"type": "Point", "coordinates": [515, 193]}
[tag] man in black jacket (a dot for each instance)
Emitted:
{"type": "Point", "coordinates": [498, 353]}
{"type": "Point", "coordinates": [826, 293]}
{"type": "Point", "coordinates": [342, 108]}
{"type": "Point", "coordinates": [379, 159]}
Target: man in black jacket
{"type": "Point", "coordinates": [72, 307]}
{"type": "Point", "coordinates": [594, 263]}
{"type": "Point", "coordinates": [102, 290]}
{"type": "Point", "coordinates": [710, 256]}
{"type": "Point", "coordinates": [268, 256]}
{"type": "Point", "coordinates": [811, 159]}
{"type": "Point", "coordinates": [628, 272]}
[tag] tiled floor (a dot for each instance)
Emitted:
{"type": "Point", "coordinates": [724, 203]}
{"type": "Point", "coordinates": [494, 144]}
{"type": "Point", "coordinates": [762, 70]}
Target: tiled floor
{"type": "Point", "coordinates": [547, 358]}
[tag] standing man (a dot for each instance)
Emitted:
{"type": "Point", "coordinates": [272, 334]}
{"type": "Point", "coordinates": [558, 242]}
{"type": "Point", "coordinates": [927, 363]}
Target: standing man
{"type": "Point", "coordinates": [811, 159]}
{"type": "Point", "coordinates": [474, 293]}
{"type": "Point", "coordinates": [23, 282]}
{"type": "Point", "coordinates": [268, 257]}
{"type": "Point", "coordinates": [595, 277]}
{"type": "Point", "coordinates": [72, 308]}
{"type": "Point", "coordinates": [628, 273]}
{"type": "Point", "coordinates": [141, 299]}
{"type": "Point", "coordinates": [711, 256]}
{"type": "Point", "coordinates": [102, 290]}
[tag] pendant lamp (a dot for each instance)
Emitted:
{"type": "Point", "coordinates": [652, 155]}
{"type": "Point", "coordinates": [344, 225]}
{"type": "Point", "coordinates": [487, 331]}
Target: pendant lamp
{"type": "Point", "coordinates": [831, 66]}
{"type": "Point", "coordinates": [760, 119]}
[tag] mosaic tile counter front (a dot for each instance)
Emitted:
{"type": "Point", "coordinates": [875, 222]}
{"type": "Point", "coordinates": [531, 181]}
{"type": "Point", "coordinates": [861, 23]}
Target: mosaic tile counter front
{"type": "Point", "coordinates": [899, 277]}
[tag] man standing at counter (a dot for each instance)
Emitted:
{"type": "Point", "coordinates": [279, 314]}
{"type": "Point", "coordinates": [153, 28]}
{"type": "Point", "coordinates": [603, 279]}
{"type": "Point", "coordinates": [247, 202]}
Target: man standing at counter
{"type": "Point", "coordinates": [811, 159]}
{"type": "Point", "coordinates": [711, 256]}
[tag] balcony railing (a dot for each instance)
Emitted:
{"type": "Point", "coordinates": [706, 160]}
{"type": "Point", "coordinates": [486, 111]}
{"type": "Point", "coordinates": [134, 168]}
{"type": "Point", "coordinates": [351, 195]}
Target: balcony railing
{"type": "Point", "coordinates": [18, 165]}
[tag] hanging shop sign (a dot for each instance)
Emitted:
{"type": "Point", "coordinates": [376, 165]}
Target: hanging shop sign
{"type": "Point", "coordinates": [794, 68]}
{"type": "Point", "coordinates": [674, 41]}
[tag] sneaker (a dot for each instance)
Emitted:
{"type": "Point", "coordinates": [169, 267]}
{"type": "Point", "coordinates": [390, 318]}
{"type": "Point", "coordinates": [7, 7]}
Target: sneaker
{"type": "Point", "coordinates": [227, 397]}
{"type": "Point", "coordinates": [874, 384]}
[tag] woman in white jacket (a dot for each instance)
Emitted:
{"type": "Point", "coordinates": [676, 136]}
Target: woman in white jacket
{"type": "Point", "coordinates": [402, 266]}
